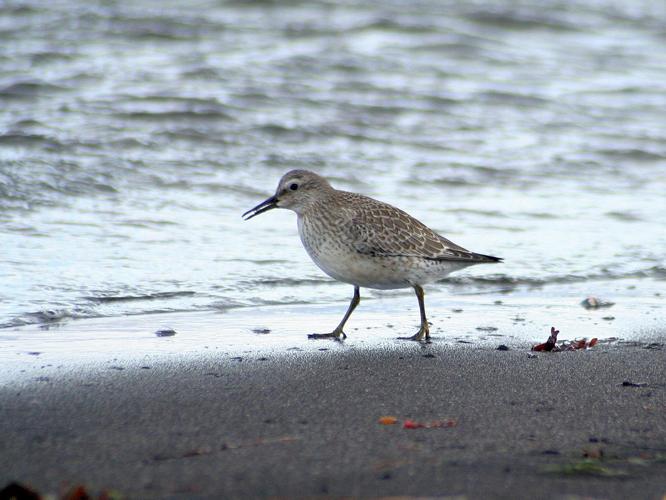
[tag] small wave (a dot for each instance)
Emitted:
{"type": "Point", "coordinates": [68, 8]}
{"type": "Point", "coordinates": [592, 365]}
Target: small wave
{"type": "Point", "coordinates": [129, 143]}
{"type": "Point", "coordinates": [517, 20]}
{"type": "Point", "coordinates": [27, 123]}
{"type": "Point", "coordinates": [171, 99]}
{"type": "Point", "coordinates": [276, 129]}
{"type": "Point", "coordinates": [624, 216]}
{"type": "Point", "coordinates": [504, 280]}
{"type": "Point", "coordinates": [49, 56]}
{"type": "Point", "coordinates": [632, 154]}
{"type": "Point", "coordinates": [540, 215]}
{"type": "Point", "coordinates": [28, 89]}
{"type": "Point", "coordinates": [176, 115]}
{"type": "Point", "coordinates": [48, 317]}
{"type": "Point", "coordinates": [105, 299]}
{"type": "Point", "coordinates": [451, 181]}
{"type": "Point", "coordinates": [503, 97]}
{"type": "Point", "coordinates": [414, 25]}
{"type": "Point", "coordinates": [260, 261]}
{"type": "Point", "coordinates": [456, 47]}
{"type": "Point", "coordinates": [204, 72]}
{"type": "Point", "coordinates": [192, 135]}
{"type": "Point", "coordinates": [159, 27]}
{"type": "Point", "coordinates": [287, 282]}
{"type": "Point", "coordinates": [19, 9]}
{"type": "Point", "coordinates": [484, 213]}
{"type": "Point", "coordinates": [29, 140]}
{"type": "Point", "coordinates": [146, 223]}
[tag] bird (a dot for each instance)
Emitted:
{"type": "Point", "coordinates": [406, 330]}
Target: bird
{"type": "Point", "coordinates": [365, 242]}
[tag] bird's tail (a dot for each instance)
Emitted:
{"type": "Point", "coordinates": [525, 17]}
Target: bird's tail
{"type": "Point", "coordinates": [487, 258]}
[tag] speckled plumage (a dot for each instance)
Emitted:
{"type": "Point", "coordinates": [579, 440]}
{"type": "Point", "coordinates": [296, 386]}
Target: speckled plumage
{"type": "Point", "coordinates": [369, 243]}
{"type": "Point", "coordinates": [365, 242]}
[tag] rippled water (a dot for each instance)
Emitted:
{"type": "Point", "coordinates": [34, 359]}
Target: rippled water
{"type": "Point", "coordinates": [132, 137]}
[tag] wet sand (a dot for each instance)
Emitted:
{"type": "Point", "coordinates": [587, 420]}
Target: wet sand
{"type": "Point", "coordinates": [304, 423]}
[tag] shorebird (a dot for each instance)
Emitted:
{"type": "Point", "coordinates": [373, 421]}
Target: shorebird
{"type": "Point", "coordinates": [365, 242]}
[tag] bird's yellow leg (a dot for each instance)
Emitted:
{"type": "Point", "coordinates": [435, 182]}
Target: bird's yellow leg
{"type": "Point", "coordinates": [338, 333]}
{"type": "Point", "coordinates": [424, 331]}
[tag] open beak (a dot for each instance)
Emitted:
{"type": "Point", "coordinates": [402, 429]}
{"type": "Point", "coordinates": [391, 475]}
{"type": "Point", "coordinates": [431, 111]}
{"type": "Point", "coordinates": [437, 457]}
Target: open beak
{"type": "Point", "coordinates": [264, 206]}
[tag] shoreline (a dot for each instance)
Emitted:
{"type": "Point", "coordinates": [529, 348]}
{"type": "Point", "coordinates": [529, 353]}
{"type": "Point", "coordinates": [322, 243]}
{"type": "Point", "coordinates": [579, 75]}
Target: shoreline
{"type": "Point", "coordinates": [517, 319]}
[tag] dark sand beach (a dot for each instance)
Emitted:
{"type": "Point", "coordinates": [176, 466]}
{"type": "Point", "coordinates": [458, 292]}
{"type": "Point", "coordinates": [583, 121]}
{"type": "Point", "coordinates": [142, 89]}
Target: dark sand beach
{"type": "Point", "coordinates": [304, 421]}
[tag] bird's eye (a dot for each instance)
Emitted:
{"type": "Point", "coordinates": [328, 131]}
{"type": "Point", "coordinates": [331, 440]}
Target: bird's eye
{"type": "Point", "coordinates": [293, 186]}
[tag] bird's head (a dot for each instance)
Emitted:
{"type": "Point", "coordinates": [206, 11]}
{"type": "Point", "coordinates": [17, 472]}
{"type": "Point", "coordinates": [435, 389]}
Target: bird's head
{"type": "Point", "coordinates": [297, 190]}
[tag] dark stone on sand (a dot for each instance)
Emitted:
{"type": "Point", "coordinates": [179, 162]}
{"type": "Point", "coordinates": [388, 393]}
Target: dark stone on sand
{"type": "Point", "coordinates": [596, 303]}
{"type": "Point", "coordinates": [165, 332]}
{"type": "Point", "coordinates": [629, 383]}
{"type": "Point", "coordinates": [502, 347]}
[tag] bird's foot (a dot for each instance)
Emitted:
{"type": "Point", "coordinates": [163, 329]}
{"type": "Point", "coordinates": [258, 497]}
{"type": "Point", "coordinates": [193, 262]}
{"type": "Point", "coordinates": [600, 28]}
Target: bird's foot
{"type": "Point", "coordinates": [423, 335]}
{"type": "Point", "coordinates": [336, 334]}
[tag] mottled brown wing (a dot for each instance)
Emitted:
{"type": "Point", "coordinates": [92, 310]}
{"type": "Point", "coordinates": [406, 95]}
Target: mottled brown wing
{"type": "Point", "coordinates": [381, 229]}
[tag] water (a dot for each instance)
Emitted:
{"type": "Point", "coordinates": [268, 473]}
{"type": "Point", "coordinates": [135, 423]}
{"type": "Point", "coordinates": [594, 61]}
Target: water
{"type": "Point", "coordinates": [132, 137]}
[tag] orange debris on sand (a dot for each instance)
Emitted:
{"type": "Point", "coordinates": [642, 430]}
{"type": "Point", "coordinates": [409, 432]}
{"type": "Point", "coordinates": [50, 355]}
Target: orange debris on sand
{"type": "Point", "coordinates": [551, 343]}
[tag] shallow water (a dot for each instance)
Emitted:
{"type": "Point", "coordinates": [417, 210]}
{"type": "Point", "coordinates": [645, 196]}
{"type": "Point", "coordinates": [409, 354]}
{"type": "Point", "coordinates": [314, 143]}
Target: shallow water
{"type": "Point", "coordinates": [132, 137]}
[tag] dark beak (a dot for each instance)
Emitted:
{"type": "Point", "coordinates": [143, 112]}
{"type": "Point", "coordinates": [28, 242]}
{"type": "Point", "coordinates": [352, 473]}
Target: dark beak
{"type": "Point", "coordinates": [264, 206]}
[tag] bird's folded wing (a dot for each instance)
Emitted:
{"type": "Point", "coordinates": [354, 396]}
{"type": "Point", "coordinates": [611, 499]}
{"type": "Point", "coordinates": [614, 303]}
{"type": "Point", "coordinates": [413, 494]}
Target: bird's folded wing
{"type": "Point", "coordinates": [393, 233]}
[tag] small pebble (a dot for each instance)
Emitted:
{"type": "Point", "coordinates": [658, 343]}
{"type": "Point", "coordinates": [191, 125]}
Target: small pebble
{"type": "Point", "coordinates": [629, 383]}
{"type": "Point", "coordinates": [166, 332]}
{"type": "Point", "coordinates": [595, 303]}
